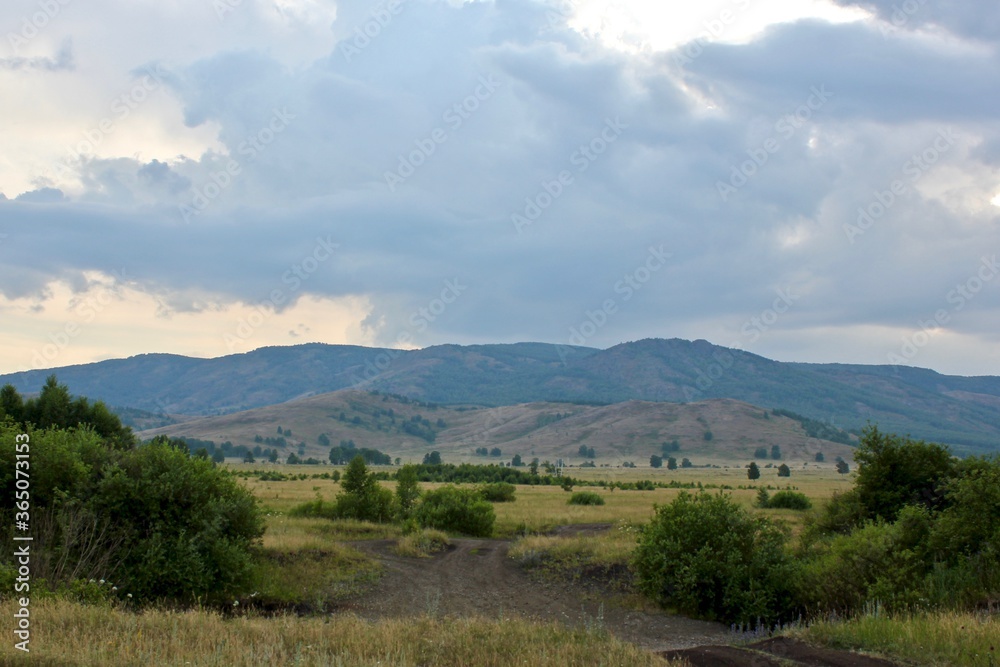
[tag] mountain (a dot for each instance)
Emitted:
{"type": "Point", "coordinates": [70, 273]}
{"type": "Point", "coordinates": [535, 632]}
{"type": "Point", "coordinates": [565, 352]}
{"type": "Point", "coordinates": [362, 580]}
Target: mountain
{"type": "Point", "coordinates": [713, 431]}
{"type": "Point", "coordinates": [960, 411]}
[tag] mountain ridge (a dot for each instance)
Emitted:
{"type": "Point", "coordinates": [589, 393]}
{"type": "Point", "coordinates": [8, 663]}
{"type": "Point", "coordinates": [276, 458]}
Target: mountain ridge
{"type": "Point", "coordinates": [956, 410]}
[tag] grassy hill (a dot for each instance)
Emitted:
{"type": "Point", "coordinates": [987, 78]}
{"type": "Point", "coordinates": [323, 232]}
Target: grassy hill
{"type": "Point", "coordinates": [629, 431]}
{"type": "Point", "coordinates": [960, 411]}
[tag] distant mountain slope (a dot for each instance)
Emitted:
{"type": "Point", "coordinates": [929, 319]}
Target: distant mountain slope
{"type": "Point", "coordinates": [959, 411]}
{"type": "Point", "coordinates": [629, 431]}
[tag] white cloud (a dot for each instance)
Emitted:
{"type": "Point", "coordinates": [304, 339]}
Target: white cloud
{"type": "Point", "coordinates": [261, 134]}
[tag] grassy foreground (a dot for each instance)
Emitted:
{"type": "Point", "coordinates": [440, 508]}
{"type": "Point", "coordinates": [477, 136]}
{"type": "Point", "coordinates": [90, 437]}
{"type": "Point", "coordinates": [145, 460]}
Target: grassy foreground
{"type": "Point", "coordinates": [953, 639]}
{"type": "Point", "coordinates": [66, 633]}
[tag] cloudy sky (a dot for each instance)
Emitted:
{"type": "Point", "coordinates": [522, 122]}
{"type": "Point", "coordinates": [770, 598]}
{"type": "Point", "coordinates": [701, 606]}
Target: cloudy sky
{"type": "Point", "coordinates": [806, 179]}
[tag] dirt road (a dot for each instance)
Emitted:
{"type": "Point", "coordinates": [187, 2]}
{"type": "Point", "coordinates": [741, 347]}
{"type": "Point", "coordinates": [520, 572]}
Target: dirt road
{"type": "Point", "coordinates": [475, 577]}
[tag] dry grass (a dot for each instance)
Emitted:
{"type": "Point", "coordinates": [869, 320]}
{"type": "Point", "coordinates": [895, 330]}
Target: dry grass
{"type": "Point", "coordinates": [952, 639]}
{"type": "Point", "coordinates": [71, 634]}
{"type": "Point", "coordinates": [422, 544]}
{"type": "Point", "coordinates": [608, 549]}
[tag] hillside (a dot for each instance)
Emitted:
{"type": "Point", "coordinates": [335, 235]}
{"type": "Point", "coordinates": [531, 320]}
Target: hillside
{"type": "Point", "coordinates": [629, 431]}
{"type": "Point", "coordinates": [960, 411]}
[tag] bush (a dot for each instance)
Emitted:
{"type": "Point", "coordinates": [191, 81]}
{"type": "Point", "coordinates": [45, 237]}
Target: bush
{"type": "Point", "coordinates": [707, 556]}
{"type": "Point", "coordinates": [456, 510]}
{"type": "Point", "coordinates": [498, 492]}
{"type": "Point", "coordinates": [789, 500]}
{"type": "Point", "coordinates": [878, 562]}
{"type": "Point", "coordinates": [586, 498]}
{"type": "Point", "coordinates": [894, 472]}
{"type": "Point", "coordinates": [160, 524]}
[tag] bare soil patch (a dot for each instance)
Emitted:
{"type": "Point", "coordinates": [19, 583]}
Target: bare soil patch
{"type": "Point", "coordinates": [776, 652]}
{"type": "Point", "coordinates": [475, 577]}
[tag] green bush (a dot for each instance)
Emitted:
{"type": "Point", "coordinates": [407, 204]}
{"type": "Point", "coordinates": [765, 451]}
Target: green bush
{"type": "Point", "coordinates": [882, 562]}
{"type": "Point", "coordinates": [452, 509]}
{"type": "Point", "coordinates": [791, 500]}
{"type": "Point", "coordinates": [705, 555]}
{"type": "Point", "coordinates": [160, 524]}
{"type": "Point", "coordinates": [586, 498]}
{"type": "Point", "coordinates": [894, 472]}
{"type": "Point", "coordinates": [498, 492]}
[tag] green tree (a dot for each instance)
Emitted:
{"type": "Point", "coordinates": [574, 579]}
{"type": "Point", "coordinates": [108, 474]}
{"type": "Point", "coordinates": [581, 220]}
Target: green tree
{"type": "Point", "coordinates": [753, 472]}
{"type": "Point", "coordinates": [760, 453]}
{"type": "Point", "coordinates": [11, 404]}
{"type": "Point", "coordinates": [784, 471]}
{"type": "Point", "coordinates": [707, 556]}
{"type": "Point", "coordinates": [819, 457]}
{"type": "Point", "coordinates": [533, 467]}
{"type": "Point", "coordinates": [516, 461]}
{"type": "Point", "coordinates": [686, 463]}
{"type": "Point", "coordinates": [273, 456]}
{"type": "Point", "coordinates": [655, 461]}
{"type": "Point", "coordinates": [218, 456]}
{"type": "Point", "coordinates": [249, 458]}
{"type": "Point", "coordinates": [894, 472]}
{"type": "Point", "coordinates": [457, 510]}
{"type": "Point", "coordinates": [671, 463]}
{"type": "Point", "coordinates": [843, 468]}
{"type": "Point", "coordinates": [361, 495]}
{"type": "Point", "coordinates": [323, 440]}
{"type": "Point", "coordinates": [432, 458]}
{"type": "Point", "coordinates": [776, 452]}
{"type": "Point", "coordinates": [407, 489]}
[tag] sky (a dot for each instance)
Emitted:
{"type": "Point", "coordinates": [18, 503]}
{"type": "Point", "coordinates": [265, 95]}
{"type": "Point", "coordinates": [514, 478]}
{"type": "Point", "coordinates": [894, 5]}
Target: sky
{"type": "Point", "coordinates": [809, 180]}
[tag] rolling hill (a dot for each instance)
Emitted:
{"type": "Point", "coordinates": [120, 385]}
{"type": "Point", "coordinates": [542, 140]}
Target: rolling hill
{"type": "Point", "coordinates": [960, 411]}
{"type": "Point", "coordinates": [629, 431]}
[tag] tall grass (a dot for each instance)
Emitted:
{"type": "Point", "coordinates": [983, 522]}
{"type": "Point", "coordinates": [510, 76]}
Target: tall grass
{"type": "Point", "coordinates": [952, 639]}
{"type": "Point", "coordinates": [71, 634]}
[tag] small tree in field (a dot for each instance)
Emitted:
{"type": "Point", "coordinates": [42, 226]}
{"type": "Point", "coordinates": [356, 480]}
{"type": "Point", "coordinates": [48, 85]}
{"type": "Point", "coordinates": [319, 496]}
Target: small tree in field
{"type": "Point", "coordinates": [407, 490]}
{"type": "Point", "coordinates": [671, 463]}
{"type": "Point", "coordinates": [753, 472]}
{"type": "Point", "coordinates": [704, 554]}
{"type": "Point", "coordinates": [655, 461]}
{"type": "Point", "coordinates": [842, 467]}
{"type": "Point", "coordinates": [784, 471]}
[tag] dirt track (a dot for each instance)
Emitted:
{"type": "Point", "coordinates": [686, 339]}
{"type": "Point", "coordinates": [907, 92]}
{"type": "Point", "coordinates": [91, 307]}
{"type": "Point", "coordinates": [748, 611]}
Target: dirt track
{"type": "Point", "coordinates": [475, 577]}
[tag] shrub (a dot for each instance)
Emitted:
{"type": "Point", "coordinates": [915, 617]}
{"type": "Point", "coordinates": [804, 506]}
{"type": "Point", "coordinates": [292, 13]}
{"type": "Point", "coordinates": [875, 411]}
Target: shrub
{"type": "Point", "coordinates": [456, 510]}
{"type": "Point", "coordinates": [878, 561]}
{"type": "Point", "coordinates": [790, 500]}
{"type": "Point", "coordinates": [894, 472]}
{"type": "Point", "coordinates": [586, 498]}
{"type": "Point", "coordinates": [160, 524]}
{"type": "Point", "coordinates": [498, 492]}
{"type": "Point", "coordinates": [705, 555]}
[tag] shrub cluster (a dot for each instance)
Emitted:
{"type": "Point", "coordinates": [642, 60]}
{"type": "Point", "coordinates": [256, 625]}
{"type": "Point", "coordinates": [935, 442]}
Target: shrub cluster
{"type": "Point", "coordinates": [159, 523]}
{"type": "Point", "coordinates": [920, 529]}
{"type": "Point", "coordinates": [586, 498]}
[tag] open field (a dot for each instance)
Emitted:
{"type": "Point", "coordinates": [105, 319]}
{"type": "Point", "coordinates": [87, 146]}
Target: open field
{"type": "Point", "coordinates": [541, 508]}
{"type": "Point", "coordinates": [74, 635]}
{"type": "Point", "coordinates": [552, 588]}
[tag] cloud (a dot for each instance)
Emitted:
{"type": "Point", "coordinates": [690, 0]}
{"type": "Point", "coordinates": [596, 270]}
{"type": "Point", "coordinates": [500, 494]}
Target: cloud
{"type": "Point", "coordinates": [396, 167]}
{"type": "Point", "coordinates": [63, 60]}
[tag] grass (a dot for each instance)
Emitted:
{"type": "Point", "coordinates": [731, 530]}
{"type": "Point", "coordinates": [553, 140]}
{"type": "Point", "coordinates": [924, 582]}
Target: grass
{"type": "Point", "coordinates": [311, 579]}
{"type": "Point", "coordinates": [423, 544]}
{"type": "Point", "coordinates": [953, 639]}
{"type": "Point", "coordinates": [607, 550]}
{"type": "Point", "coordinates": [71, 634]}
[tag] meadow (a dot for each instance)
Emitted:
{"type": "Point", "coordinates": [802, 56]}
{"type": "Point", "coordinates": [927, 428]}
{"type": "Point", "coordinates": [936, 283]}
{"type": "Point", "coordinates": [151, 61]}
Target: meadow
{"type": "Point", "coordinates": [309, 566]}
